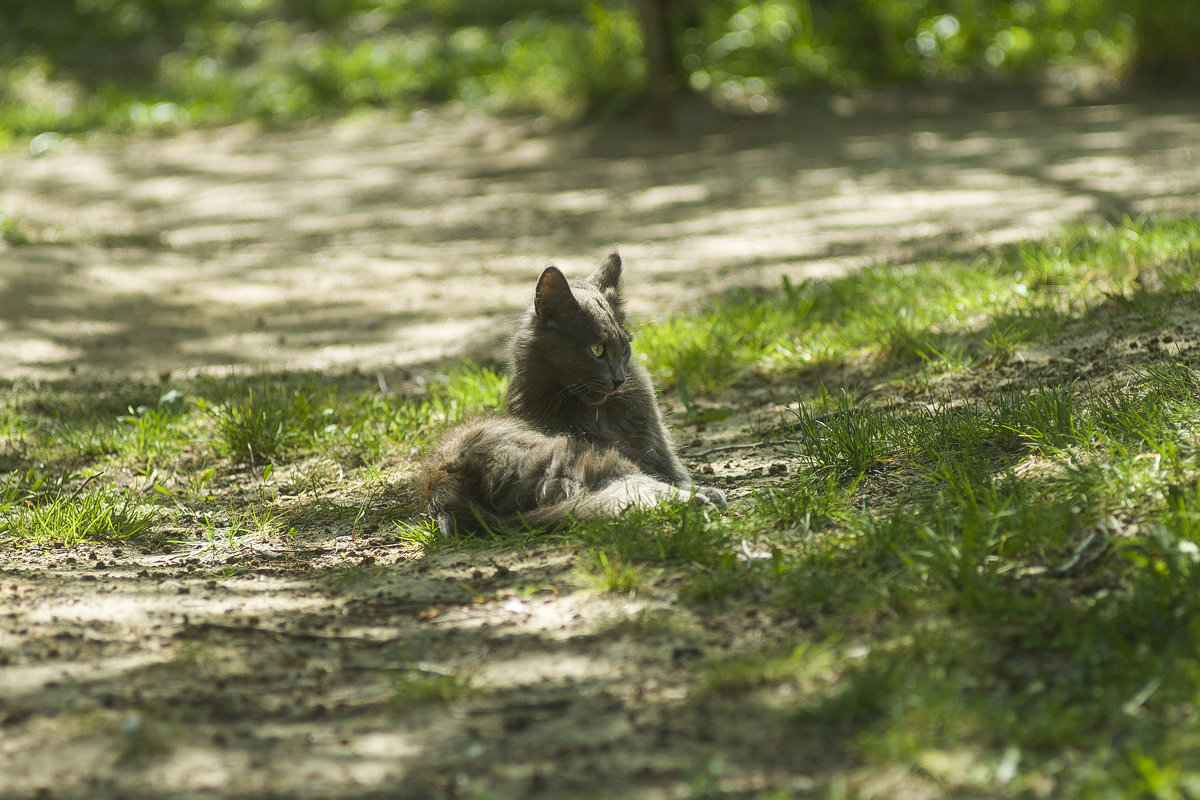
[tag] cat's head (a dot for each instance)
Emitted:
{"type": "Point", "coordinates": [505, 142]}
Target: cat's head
{"type": "Point", "coordinates": [575, 336]}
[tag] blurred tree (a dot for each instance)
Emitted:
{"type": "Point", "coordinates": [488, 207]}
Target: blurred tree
{"type": "Point", "coordinates": [660, 60]}
{"type": "Point", "coordinates": [1168, 40]}
{"type": "Point", "coordinates": [117, 64]}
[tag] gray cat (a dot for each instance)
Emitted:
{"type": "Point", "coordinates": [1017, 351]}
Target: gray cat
{"type": "Point", "coordinates": [583, 436]}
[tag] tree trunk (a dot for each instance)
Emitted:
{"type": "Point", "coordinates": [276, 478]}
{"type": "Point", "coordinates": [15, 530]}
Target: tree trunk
{"type": "Point", "coordinates": [658, 63]}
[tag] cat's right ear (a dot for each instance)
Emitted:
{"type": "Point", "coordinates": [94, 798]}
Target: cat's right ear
{"type": "Point", "coordinates": [553, 296]}
{"type": "Point", "coordinates": [607, 277]}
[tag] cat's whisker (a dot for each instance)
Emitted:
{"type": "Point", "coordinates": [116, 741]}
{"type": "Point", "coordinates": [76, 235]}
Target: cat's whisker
{"type": "Point", "coordinates": [551, 403]}
{"type": "Point", "coordinates": [556, 401]}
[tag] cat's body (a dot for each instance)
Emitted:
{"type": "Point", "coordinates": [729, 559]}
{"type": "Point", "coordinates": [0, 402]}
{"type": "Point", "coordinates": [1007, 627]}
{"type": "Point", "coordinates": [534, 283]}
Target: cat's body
{"type": "Point", "coordinates": [607, 400]}
{"type": "Point", "coordinates": [583, 434]}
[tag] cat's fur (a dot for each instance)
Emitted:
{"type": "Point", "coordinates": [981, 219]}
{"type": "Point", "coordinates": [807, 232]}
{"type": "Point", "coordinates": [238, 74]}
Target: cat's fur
{"type": "Point", "coordinates": [583, 434]}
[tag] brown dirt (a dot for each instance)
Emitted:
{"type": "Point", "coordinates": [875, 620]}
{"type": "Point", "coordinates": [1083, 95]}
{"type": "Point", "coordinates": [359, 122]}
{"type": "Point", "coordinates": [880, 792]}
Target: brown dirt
{"type": "Point", "coordinates": [375, 245]}
{"type": "Point", "coordinates": [272, 669]}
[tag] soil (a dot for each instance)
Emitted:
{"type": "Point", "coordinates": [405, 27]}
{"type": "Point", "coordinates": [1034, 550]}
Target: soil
{"type": "Point", "coordinates": [338, 663]}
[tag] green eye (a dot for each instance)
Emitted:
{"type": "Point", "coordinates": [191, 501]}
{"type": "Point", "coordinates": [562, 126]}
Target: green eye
{"type": "Point", "coordinates": [597, 350]}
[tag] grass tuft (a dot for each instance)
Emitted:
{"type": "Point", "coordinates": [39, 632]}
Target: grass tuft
{"type": "Point", "coordinates": [838, 437]}
{"type": "Point", "coordinates": [36, 514]}
{"type": "Point", "coordinates": [262, 423]}
{"type": "Point", "coordinates": [423, 535]}
{"type": "Point", "coordinates": [610, 575]}
{"type": "Point", "coordinates": [668, 534]}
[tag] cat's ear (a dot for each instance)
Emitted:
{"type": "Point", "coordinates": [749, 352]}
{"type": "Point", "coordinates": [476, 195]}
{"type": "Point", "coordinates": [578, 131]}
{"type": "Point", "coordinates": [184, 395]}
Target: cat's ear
{"type": "Point", "coordinates": [607, 278]}
{"type": "Point", "coordinates": [553, 295]}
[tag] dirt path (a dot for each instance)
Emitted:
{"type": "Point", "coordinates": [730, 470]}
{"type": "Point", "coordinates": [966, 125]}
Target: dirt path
{"type": "Point", "coordinates": [334, 665]}
{"type": "Point", "coordinates": [375, 245]}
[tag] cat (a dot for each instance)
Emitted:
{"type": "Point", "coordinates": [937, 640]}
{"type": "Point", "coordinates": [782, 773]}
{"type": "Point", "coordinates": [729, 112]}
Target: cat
{"type": "Point", "coordinates": [583, 434]}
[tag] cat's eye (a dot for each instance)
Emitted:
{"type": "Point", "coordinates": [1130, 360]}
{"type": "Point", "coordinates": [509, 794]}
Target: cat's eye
{"type": "Point", "coordinates": [597, 350]}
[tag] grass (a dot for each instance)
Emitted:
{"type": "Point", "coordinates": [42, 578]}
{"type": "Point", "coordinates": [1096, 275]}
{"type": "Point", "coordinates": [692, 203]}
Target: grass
{"type": "Point", "coordinates": [12, 231]}
{"type": "Point", "coordinates": [260, 425]}
{"type": "Point", "coordinates": [941, 317]}
{"type": "Point", "coordinates": [611, 575]}
{"type": "Point", "coordinates": [983, 571]}
{"type": "Point", "coordinates": [286, 62]}
{"type": "Point", "coordinates": [41, 514]}
{"type": "Point", "coordinates": [156, 462]}
{"type": "Point", "coordinates": [1002, 551]}
{"type": "Point", "coordinates": [421, 684]}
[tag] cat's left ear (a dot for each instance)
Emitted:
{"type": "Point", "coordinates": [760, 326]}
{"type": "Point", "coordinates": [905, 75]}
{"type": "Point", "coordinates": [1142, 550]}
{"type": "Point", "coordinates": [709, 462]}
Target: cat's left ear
{"type": "Point", "coordinates": [553, 297]}
{"type": "Point", "coordinates": [607, 278]}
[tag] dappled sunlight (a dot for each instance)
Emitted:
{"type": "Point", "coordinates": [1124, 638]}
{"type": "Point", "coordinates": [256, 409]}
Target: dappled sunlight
{"type": "Point", "coordinates": [917, 282]}
{"type": "Point", "coordinates": [372, 245]}
{"type": "Point", "coordinates": [948, 484]}
{"type": "Point", "coordinates": [23, 679]}
{"type": "Point", "coordinates": [542, 668]}
{"type": "Point", "coordinates": [321, 681]}
{"type": "Point", "coordinates": [127, 600]}
{"type": "Point", "coordinates": [44, 351]}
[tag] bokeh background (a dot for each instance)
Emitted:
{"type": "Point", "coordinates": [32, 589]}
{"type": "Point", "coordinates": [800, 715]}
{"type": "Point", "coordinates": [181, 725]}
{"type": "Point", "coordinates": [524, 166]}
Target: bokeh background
{"type": "Point", "coordinates": [73, 65]}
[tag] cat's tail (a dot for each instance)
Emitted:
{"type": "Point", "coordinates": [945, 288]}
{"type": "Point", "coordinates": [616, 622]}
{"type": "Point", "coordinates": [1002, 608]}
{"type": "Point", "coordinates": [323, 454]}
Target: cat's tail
{"type": "Point", "coordinates": [473, 519]}
{"type": "Point", "coordinates": [629, 491]}
{"type": "Point", "coordinates": [453, 512]}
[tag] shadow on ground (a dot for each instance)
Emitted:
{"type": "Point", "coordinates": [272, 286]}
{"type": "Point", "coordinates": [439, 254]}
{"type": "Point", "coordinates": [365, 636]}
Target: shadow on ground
{"type": "Point", "coordinates": [464, 674]}
{"type": "Point", "coordinates": [378, 245]}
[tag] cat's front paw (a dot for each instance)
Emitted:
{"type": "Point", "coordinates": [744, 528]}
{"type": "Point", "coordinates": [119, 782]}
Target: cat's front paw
{"type": "Point", "coordinates": [709, 494]}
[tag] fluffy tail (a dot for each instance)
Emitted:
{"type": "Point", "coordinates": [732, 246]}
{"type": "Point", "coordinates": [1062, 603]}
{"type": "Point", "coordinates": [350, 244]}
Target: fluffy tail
{"type": "Point", "coordinates": [473, 519]}
{"type": "Point", "coordinates": [628, 491]}
{"type": "Point", "coordinates": [500, 473]}
{"type": "Point", "coordinates": [453, 511]}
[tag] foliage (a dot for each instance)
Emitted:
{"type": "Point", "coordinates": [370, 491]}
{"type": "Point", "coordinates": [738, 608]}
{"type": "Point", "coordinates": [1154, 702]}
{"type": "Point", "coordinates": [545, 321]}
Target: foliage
{"type": "Point", "coordinates": [164, 64]}
{"type": "Point", "coordinates": [765, 46]}
{"type": "Point", "coordinates": [82, 64]}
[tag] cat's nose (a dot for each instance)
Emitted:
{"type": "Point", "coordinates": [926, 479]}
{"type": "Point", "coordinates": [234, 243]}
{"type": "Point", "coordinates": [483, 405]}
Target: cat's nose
{"type": "Point", "coordinates": [618, 382]}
